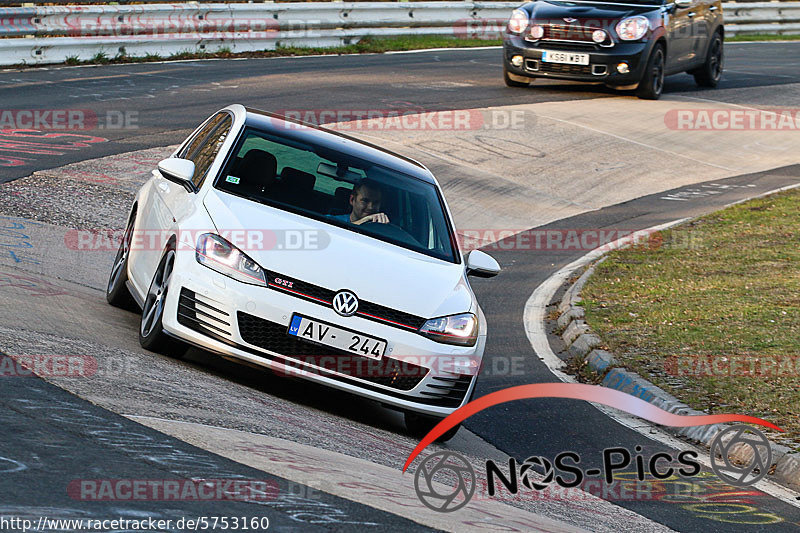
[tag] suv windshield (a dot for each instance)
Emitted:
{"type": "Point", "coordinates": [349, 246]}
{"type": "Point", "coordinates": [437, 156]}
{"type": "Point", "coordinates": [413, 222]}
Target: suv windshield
{"type": "Point", "coordinates": [341, 190]}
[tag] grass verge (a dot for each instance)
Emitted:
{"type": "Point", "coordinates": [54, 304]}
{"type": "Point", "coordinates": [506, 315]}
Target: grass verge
{"type": "Point", "coordinates": [714, 318]}
{"type": "Point", "coordinates": [761, 37]}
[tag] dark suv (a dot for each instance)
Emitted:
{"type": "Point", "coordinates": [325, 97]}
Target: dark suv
{"type": "Point", "coordinates": [626, 44]}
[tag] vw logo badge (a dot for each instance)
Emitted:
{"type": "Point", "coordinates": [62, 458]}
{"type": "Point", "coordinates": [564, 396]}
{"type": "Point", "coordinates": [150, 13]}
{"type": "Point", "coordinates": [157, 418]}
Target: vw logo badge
{"type": "Point", "coordinates": [569, 20]}
{"type": "Point", "coordinates": [345, 303]}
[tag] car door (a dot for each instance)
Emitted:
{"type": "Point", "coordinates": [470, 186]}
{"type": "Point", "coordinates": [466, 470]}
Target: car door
{"type": "Point", "coordinates": [680, 45]}
{"type": "Point", "coordinates": [702, 19]}
{"type": "Point", "coordinates": [711, 19]}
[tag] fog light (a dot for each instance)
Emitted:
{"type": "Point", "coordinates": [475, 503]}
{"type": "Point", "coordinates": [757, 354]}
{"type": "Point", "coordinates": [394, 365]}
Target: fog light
{"type": "Point", "coordinates": [623, 68]}
{"type": "Point", "coordinates": [537, 32]}
{"type": "Point", "coordinates": [598, 36]}
{"type": "Point", "coordinates": [516, 61]}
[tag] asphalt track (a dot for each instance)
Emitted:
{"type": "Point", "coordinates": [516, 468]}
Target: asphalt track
{"type": "Point", "coordinates": [167, 100]}
{"type": "Point", "coordinates": [161, 103]}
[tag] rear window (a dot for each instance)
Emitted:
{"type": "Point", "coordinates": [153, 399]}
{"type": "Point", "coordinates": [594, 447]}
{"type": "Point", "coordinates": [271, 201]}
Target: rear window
{"type": "Point", "coordinates": [341, 190]}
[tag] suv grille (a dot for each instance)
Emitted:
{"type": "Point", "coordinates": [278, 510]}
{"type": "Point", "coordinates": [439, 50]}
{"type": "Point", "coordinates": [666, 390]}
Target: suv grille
{"type": "Point", "coordinates": [558, 68]}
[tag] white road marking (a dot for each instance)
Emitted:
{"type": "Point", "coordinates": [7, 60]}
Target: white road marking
{"type": "Point", "coordinates": [352, 478]}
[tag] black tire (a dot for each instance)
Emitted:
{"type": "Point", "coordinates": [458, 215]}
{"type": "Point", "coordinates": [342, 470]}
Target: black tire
{"type": "Point", "coordinates": [420, 425]}
{"type": "Point", "coordinates": [117, 293]}
{"type": "Point", "coordinates": [151, 329]}
{"type": "Point", "coordinates": [652, 82]}
{"type": "Point", "coordinates": [514, 83]}
{"type": "Point", "coordinates": [709, 74]}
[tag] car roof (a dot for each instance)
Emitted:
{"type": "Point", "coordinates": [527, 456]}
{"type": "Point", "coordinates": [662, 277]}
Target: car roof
{"type": "Point", "coordinates": [337, 141]}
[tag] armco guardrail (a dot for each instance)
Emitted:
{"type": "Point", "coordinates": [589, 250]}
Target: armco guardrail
{"type": "Point", "coordinates": [53, 34]}
{"type": "Point", "coordinates": [40, 35]}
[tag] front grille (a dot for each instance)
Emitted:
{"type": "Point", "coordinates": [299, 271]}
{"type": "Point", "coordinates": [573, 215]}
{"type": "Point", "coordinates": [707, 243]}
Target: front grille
{"type": "Point", "coordinates": [203, 314]}
{"type": "Point", "coordinates": [568, 33]}
{"type": "Point", "coordinates": [273, 337]}
{"type": "Point", "coordinates": [323, 296]}
{"type": "Point", "coordinates": [558, 68]}
{"type": "Point", "coordinates": [409, 321]}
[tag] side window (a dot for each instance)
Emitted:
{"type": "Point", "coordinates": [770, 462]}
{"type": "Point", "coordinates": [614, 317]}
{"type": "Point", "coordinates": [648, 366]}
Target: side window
{"type": "Point", "coordinates": [204, 147]}
{"type": "Point", "coordinates": [198, 138]}
{"type": "Point", "coordinates": [207, 152]}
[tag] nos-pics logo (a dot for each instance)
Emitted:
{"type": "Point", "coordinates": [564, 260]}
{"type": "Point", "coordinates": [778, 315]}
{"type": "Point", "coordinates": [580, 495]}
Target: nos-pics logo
{"type": "Point", "coordinates": [445, 481]}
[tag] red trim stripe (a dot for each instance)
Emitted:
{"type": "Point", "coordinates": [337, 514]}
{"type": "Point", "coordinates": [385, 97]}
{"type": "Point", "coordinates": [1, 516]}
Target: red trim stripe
{"type": "Point", "coordinates": [386, 320]}
{"type": "Point", "coordinates": [299, 293]}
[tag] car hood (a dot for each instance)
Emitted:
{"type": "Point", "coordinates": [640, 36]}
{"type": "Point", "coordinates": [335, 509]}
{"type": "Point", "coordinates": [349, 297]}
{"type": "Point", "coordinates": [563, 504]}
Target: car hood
{"type": "Point", "coordinates": [374, 270]}
{"type": "Point", "coordinates": [600, 12]}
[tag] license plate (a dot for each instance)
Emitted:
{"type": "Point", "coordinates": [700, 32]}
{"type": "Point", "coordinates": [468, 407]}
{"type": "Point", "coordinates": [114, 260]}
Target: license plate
{"type": "Point", "coordinates": [567, 58]}
{"type": "Point", "coordinates": [319, 332]}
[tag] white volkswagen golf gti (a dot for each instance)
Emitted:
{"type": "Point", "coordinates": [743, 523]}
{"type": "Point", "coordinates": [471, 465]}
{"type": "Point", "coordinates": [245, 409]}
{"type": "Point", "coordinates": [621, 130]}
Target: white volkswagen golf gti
{"type": "Point", "coordinates": [310, 252]}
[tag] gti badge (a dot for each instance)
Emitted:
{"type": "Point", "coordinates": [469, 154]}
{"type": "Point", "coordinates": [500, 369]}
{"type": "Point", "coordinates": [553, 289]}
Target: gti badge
{"type": "Point", "coordinates": [345, 303]}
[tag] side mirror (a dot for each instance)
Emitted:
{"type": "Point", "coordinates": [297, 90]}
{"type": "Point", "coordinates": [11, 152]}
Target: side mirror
{"type": "Point", "coordinates": [180, 171]}
{"type": "Point", "coordinates": [683, 3]}
{"type": "Point", "coordinates": [482, 265]}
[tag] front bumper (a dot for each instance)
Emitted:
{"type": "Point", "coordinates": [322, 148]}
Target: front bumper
{"type": "Point", "coordinates": [602, 61]}
{"type": "Point", "coordinates": [249, 323]}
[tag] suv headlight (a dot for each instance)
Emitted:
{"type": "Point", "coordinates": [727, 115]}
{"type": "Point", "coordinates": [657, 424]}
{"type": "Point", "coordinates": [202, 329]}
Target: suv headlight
{"type": "Point", "coordinates": [454, 329]}
{"type": "Point", "coordinates": [633, 28]}
{"type": "Point", "coordinates": [218, 254]}
{"type": "Point", "coordinates": [518, 21]}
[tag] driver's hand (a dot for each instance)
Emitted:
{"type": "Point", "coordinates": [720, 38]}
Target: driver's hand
{"type": "Point", "coordinates": [380, 218]}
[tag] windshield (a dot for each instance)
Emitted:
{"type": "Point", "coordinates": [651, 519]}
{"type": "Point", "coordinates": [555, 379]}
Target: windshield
{"type": "Point", "coordinates": [340, 190]}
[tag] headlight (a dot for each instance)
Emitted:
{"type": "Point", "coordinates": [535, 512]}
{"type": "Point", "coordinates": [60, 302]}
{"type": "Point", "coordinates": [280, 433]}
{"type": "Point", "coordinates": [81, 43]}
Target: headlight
{"type": "Point", "coordinates": [633, 28]}
{"type": "Point", "coordinates": [518, 21]}
{"type": "Point", "coordinates": [454, 329]}
{"type": "Point", "coordinates": [218, 254]}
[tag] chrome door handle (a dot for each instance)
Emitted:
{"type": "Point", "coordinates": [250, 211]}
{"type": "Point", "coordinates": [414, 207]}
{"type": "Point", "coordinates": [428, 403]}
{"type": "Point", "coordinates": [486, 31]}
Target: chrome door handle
{"type": "Point", "coordinates": [690, 15]}
{"type": "Point", "coordinates": [712, 8]}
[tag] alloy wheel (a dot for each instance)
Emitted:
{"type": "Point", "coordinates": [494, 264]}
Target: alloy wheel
{"type": "Point", "coordinates": [122, 257]}
{"type": "Point", "coordinates": [157, 295]}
